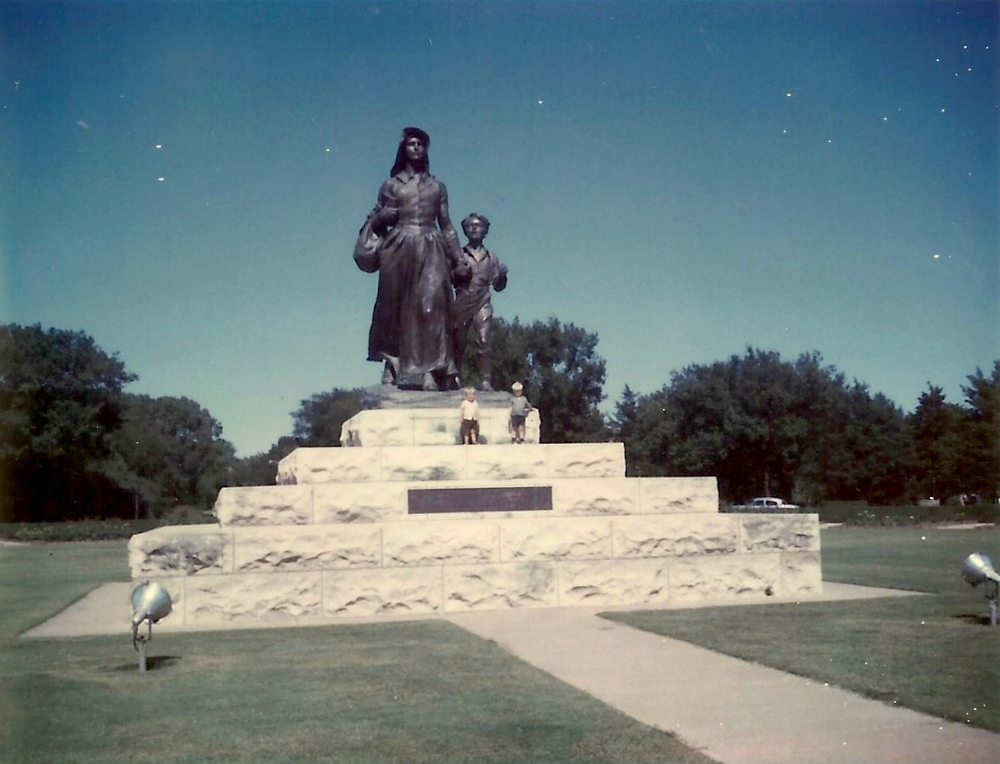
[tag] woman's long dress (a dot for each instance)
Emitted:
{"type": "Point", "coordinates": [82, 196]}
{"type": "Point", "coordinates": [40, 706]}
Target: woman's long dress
{"type": "Point", "coordinates": [411, 321]}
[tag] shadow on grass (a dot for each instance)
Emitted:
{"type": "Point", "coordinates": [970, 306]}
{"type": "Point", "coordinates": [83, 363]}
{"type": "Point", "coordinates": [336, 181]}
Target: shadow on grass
{"type": "Point", "coordinates": [973, 618]}
{"type": "Point", "coordinates": [153, 663]}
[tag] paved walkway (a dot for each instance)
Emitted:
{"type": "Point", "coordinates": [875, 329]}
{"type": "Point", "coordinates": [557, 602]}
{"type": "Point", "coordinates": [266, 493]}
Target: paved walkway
{"type": "Point", "coordinates": [734, 711]}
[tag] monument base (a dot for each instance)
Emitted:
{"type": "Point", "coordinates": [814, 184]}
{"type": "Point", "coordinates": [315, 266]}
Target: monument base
{"type": "Point", "coordinates": [364, 531]}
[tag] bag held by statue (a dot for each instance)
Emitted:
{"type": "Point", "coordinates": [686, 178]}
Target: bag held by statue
{"type": "Point", "coordinates": [367, 247]}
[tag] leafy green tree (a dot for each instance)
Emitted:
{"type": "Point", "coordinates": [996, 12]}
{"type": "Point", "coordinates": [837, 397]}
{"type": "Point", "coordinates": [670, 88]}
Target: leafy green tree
{"type": "Point", "coordinates": [763, 425]}
{"type": "Point", "coordinates": [172, 451]}
{"type": "Point", "coordinates": [262, 468]}
{"type": "Point", "coordinates": [981, 462]}
{"type": "Point", "coordinates": [319, 419]}
{"type": "Point", "coordinates": [562, 373]}
{"type": "Point", "coordinates": [938, 444]}
{"type": "Point", "coordinates": [60, 403]}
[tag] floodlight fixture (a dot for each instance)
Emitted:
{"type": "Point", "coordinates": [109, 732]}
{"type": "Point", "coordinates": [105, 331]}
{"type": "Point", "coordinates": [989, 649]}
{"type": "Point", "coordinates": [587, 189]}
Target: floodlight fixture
{"type": "Point", "coordinates": [150, 603]}
{"type": "Point", "coordinates": [978, 569]}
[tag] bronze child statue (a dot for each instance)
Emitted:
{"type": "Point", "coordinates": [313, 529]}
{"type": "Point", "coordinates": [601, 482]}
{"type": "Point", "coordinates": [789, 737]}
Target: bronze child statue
{"type": "Point", "coordinates": [478, 270]}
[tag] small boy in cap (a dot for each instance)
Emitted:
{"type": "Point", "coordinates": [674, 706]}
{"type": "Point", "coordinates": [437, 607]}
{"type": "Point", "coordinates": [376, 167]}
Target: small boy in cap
{"type": "Point", "coordinates": [519, 408]}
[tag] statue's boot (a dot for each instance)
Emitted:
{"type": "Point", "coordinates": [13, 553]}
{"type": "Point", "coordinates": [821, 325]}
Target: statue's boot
{"type": "Point", "coordinates": [389, 372]}
{"type": "Point", "coordinates": [485, 371]}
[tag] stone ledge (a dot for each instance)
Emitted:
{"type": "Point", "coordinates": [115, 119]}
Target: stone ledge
{"type": "Point", "coordinates": [197, 551]}
{"type": "Point", "coordinates": [445, 463]}
{"type": "Point", "coordinates": [431, 427]}
{"type": "Point", "coordinates": [301, 597]}
{"type": "Point", "coordinates": [373, 502]}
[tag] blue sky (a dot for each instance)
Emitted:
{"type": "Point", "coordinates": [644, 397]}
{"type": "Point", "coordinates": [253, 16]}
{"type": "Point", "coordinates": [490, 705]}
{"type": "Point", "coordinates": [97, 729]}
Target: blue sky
{"type": "Point", "coordinates": [184, 182]}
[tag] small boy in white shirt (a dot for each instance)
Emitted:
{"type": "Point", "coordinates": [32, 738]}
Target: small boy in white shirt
{"type": "Point", "coordinates": [470, 417]}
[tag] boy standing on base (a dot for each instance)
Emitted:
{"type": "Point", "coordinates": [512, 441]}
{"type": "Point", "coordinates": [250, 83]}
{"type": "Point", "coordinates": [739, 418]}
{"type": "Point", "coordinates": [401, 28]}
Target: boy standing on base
{"type": "Point", "coordinates": [470, 418]}
{"type": "Point", "coordinates": [519, 408]}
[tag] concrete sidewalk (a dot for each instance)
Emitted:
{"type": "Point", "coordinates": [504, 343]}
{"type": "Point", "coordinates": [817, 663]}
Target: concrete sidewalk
{"type": "Point", "coordinates": [734, 711]}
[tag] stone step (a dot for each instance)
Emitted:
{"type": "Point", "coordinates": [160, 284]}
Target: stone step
{"type": "Point", "coordinates": [294, 573]}
{"type": "Point", "coordinates": [397, 501]}
{"type": "Point", "coordinates": [431, 427]}
{"type": "Point", "coordinates": [442, 463]}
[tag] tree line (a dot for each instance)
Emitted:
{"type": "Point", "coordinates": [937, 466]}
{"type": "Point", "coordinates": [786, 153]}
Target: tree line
{"type": "Point", "coordinates": [75, 444]}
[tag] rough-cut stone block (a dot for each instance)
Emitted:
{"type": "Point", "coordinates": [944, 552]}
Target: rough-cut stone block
{"type": "Point", "coordinates": [481, 463]}
{"type": "Point", "coordinates": [329, 465]}
{"type": "Point", "coordinates": [722, 577]}
{"type": "Point", "coordinates": [422, 464]}
{"type": "Point", "coordinates": [499, 587]}
{"type": "Point", "coordinates": [767, 533]}
{"type": "Point", "coordinates": [250, 597]}
{"type": "Point", "coordinates": [323, 547]}
{"type": "Point", "coordinates": [180, 550]}
{"type": "Point", "coordinates": [801, 573]}
{"type": "Point", "coordinates": [359, 502]}
{"type": "Point", "coordinates": [614, 582]}
{"type": "Point", "coordinates": [430, 427]}
{"type": "Point", "coordinates": [674, 535]}
{"type": "Point", "coordinates": [555, 539]}
{"type": "Point", "coordinates": [392, 590]}
{"type": "Point", "coordinates": [678, 495]}
{"type": "Point", "coordinates": [505, 463]}
{"type": "Point", "coordinates": [265, 505]}
{"type": "Point", "coordinates": [596, 496]}
{"type": "Point", "coordinates": [586, 460]}
{"type": "Point", "coordinates": [413, 544]}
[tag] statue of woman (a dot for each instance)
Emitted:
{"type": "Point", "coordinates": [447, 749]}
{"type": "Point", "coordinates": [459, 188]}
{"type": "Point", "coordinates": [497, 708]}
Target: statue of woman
{"type": "Point", "coordinates": [411, 322]}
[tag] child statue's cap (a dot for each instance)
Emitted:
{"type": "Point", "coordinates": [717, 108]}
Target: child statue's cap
{"type": "Point", "coordinates": [517, 386]}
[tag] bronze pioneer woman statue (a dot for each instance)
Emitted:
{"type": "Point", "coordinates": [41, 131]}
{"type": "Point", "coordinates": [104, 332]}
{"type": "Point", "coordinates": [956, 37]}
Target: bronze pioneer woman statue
{"type": "Point", "coordinates": [415, 250]}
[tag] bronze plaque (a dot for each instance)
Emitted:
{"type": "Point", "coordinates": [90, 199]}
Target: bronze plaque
{"type": "Point", "coordinates": [426, 501]}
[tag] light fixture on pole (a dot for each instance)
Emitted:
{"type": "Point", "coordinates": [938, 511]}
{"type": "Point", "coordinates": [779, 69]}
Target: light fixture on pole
{"type": "Point", "coordinates": [150, 603]}
{"type": "Point", "coordinates": [978, 569]}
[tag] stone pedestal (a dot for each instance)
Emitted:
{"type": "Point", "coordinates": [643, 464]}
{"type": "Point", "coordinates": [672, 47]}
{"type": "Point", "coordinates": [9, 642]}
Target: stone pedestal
{"type": "Point", "coordinates": [432, 530]}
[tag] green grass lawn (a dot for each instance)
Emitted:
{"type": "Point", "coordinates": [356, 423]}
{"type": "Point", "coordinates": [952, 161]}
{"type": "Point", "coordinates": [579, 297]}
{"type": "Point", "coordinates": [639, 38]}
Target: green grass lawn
{"type": "Point", "coordinates": [931, 653]}
{"type": "Point", "coordinates": [422, 691]}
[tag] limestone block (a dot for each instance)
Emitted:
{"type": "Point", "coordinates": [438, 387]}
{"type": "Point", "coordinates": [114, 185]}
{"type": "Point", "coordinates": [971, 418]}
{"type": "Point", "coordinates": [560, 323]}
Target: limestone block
{"type": "Point", "coordinates": [614, 582]}
{"type": "Point", "coordinates": [440, 543]}
{"type": "Point", "coordinates": [675, 535]}
{"type": "Point", "coordinates": [779, 532]}
{"type": "Point", "coordinates": [720, 577]}
{"type": "Point", "coordinates": [387, 590]}
{"type": "Point", "coordinates": [419, 463]}
{"type": "Point", "coordinates": [252, 597]}
{"type": "Point", "coordinates": [359, 502]}
{"type": "Point", "coordinates": [326, 547]}
{"type": "Point", "coordinates": [328, 465]}
{"type": "Point", "coordinates": [555, 539]}
{"type": "Point", "coordinates": [801, 573]}
{"type": "Point", "coordinates": [500, 587]}
{"type": "Point", "coordinates": [265, 505]}
{"type": "Point", "coordinates": [596, 496]}
{"type": "Point", "coordinates": [180, 550]}
{"type": "Point", "coordinates": [432, 426]}
{"type": "Point", "coordinates": [682, 495]}
{"type": "Point", "coordinates": [487, 462]}
{"type": "Point", "coordinates": [586, 460]}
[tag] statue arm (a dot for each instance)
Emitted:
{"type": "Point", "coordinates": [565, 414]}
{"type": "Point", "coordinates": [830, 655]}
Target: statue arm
{"type": "Point", "coordinates": [385, 213]}
{"type": "Point", "coordinates": [450, 235]}
{"type": "Point", "coordinates": [499, 275]}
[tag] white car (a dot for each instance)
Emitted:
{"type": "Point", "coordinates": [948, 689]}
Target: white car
{"type": "Point", "coordinates": [766, 504]}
